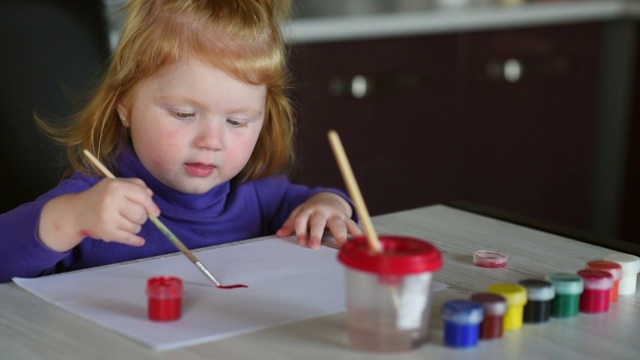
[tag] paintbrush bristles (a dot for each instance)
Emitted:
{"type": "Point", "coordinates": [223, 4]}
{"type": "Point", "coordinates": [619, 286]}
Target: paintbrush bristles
{"type": "Point", "coordinates": [354, 190]}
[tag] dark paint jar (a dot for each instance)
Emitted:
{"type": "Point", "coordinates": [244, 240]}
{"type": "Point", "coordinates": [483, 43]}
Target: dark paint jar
{"type": "Point", "coordinates": [495, 306]}
{"type": "Point", "coordinates": [540, 294]}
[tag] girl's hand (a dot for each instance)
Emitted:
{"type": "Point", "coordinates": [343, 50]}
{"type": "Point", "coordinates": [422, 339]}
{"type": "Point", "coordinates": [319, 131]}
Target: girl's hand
{"type": "Point", "coordinates": [322, 210]}
{"type": "Point", "coordinates": [112, 210]}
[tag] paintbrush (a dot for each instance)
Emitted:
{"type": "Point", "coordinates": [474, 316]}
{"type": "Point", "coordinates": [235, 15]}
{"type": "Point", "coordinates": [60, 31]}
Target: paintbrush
{"type": "Point", "coordinates": [361, 209]}
{"type": "Point", "coordinates": [354, 191]}
{"type": "Point", "coordinates": [174, 239]}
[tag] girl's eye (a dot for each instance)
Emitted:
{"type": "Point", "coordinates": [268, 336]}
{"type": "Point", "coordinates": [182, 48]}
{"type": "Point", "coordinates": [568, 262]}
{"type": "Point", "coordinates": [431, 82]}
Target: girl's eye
{"type": "Point", "coordinates": [236, 123]}
{"type": "Point", "coordinates": [184, 115]}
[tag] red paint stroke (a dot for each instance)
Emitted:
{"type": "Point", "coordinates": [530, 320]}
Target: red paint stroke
{"type": "Point", "coordinates": [226, 287]}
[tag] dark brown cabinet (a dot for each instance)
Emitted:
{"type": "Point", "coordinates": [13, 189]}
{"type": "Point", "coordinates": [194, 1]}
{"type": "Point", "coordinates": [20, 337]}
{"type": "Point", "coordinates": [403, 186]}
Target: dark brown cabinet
{"type": "Point", "coordinates": [504, 118]}
{"type": "Point", "coordinates": [630, 212]}
{"type": "Point", "coordinates": [394, 104]}
{"type": "Point", "coordinates": [531, 112]}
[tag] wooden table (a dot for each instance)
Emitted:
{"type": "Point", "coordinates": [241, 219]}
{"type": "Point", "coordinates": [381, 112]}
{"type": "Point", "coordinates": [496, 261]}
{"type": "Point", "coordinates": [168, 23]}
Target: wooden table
{"type": "Point", "coordinates": [31, 328]}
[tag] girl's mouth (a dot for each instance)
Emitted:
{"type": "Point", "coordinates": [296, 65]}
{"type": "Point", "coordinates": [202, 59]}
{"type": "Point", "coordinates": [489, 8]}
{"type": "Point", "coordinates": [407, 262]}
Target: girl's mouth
{"type": "Point", "coordinates": [198, 169]}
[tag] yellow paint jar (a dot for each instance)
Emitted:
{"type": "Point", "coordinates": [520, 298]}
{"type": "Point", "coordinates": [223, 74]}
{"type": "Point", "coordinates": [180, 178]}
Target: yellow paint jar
{"type": "Point", "coordinates": [516, 296]}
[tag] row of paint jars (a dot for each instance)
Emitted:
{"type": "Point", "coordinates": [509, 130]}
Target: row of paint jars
{"type": "Point", "coordinates": [506, 306]}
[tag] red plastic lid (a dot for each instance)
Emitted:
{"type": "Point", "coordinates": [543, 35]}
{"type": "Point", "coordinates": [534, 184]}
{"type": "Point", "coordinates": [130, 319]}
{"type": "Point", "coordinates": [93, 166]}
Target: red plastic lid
{"type": "Point", "coordinates": [164, 287]}
{"type": "Point", "coordinates": [490, 258]}
{"type": "Point", "coordinates": [400, 255]}
{"type": "Point", "coordinates": [611, 267]}
{"type": "Point", "coordinates": [596, 279]}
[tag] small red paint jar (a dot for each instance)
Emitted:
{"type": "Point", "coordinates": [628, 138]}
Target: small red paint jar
{"type": "Point", "coordinates": [495, 306]}
{"type": "Point", "coordinates": [490, 259]}
{"type": "Point", "coordinates": [612, 268]}
{"type": "Point", "coordinates": [596, 296]}
{"type": "Point", "coordinates": [165, 298]}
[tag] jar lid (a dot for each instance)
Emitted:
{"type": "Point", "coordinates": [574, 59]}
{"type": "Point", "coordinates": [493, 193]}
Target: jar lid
{"type": "Point", "coordinates": [596, 279]}
{"type": "Point", "coordinates": [400, 255]}
{"type": "Point", "coordinates": [611, 267]}
{"type": "Point", "coordinates": [566, 284]}
{"type": "Point", "coordinates": [463, 312]}
{"type": "Point", "coordinates": [164, 287]}
{"type": "Point", "coordinates": [538, 290]}
{"type": "Point", "coordinates": [490, 258]}
{"type": "Point", "coordinates": [515, 294]}
{"type": "Point", "coordinates": [493, 304]}
{"type": "Point", "coordinates": [629, 263]}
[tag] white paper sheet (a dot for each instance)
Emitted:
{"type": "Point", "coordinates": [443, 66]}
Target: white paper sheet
{"type": "Point", "coordinates": [287, 283]}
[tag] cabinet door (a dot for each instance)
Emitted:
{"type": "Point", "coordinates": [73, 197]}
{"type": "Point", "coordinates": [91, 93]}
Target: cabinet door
{"type": "Point", "coordinates": [630, 202]}
{"type": "Point", "coordinates": [394, 104]}
{"type": "Point", "coordinates": [530, 119]}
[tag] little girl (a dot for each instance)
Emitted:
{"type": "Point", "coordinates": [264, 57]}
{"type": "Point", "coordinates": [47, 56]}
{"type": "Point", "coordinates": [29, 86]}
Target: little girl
{"type": "Point", "coordinates": [193, 119]}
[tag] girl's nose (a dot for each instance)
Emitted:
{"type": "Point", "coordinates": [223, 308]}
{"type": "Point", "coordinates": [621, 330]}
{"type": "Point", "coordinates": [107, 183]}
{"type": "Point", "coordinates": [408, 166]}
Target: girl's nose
{"type": "Point", "coordinates": [210, 135]}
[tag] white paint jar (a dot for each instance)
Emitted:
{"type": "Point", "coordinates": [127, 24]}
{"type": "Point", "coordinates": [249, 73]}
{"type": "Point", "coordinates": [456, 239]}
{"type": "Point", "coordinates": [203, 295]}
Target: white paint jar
{"type": "Point", "coordinates": [630, 268]}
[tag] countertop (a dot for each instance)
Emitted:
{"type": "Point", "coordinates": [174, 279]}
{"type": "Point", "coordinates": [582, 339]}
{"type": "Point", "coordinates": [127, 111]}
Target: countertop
{"type": "Point", "coordinates": [338, 20]}
{"type": "Point", "coordinates": [341, 20]}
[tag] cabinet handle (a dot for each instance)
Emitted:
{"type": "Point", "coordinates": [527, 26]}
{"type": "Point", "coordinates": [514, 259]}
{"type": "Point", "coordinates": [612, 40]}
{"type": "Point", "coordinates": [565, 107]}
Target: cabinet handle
{"type": "Point", "coordinates": [361, 86]}
{"type": "Point", "coordinates": [513, 70]}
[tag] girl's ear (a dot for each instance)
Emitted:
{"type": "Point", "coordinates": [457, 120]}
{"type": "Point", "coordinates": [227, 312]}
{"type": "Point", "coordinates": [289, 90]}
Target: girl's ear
{"type": "Point", "coordinates": [123, 112]}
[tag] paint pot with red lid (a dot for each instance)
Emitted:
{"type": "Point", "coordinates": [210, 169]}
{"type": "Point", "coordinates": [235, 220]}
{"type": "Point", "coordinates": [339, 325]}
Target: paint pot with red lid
{"type": "Point", "coordinates": [612, 268]}
{"type": "Point", "coordinates": [462, 320]}
{"type": "Point", "coordinates": [540, 296]}
{"type": "Point", "coordinates": [388, 292]}
{"type": "Point", "coordinates": [495, 306]}
{"type": "Point", "coordinates": [596, 296]}
{"type": "Point", "coordinates": [165, 298]}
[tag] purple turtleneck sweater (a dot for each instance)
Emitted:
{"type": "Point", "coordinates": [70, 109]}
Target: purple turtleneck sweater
{"type": "Point", "coordinates": [225, 214]}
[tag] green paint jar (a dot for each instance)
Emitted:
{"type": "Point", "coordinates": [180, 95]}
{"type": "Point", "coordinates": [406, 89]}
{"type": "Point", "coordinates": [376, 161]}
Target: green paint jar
{"type": "Point", "coordinates": [568, 288]}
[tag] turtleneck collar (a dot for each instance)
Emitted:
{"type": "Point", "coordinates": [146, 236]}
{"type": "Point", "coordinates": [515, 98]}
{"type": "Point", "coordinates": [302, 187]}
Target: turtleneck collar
{"type": "Point", "coordinates": [173, 203]}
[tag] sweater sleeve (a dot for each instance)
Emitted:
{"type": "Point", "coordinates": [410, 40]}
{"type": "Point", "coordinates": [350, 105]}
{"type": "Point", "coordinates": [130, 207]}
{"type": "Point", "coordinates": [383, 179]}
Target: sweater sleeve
{"type": "Point", "coordinates": [23, 254]}
{"type": "Point", "coordinates": [279, 197]}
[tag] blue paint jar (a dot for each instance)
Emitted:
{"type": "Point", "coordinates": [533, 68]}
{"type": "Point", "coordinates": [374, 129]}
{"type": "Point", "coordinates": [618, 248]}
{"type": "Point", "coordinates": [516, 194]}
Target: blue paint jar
{"type": "Point", "coordinates": [462, 320]}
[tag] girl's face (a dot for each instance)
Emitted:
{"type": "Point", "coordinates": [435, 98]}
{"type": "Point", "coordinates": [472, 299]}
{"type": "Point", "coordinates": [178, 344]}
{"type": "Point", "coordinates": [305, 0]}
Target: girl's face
{"type": "Point", "coordinates": [193, 126]}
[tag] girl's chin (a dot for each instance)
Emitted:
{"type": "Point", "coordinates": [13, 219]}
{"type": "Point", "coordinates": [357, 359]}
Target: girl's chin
{"type": "Point", "coordinates": [194, 189]}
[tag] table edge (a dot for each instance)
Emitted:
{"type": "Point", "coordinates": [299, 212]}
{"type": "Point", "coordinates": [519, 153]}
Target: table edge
{"type": "Point", "coordinates": [548, 226]}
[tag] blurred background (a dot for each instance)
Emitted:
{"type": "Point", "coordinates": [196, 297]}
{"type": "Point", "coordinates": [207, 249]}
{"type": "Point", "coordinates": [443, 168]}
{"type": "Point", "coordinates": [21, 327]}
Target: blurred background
{"type": "Point", "coordinates": [525, 106]}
